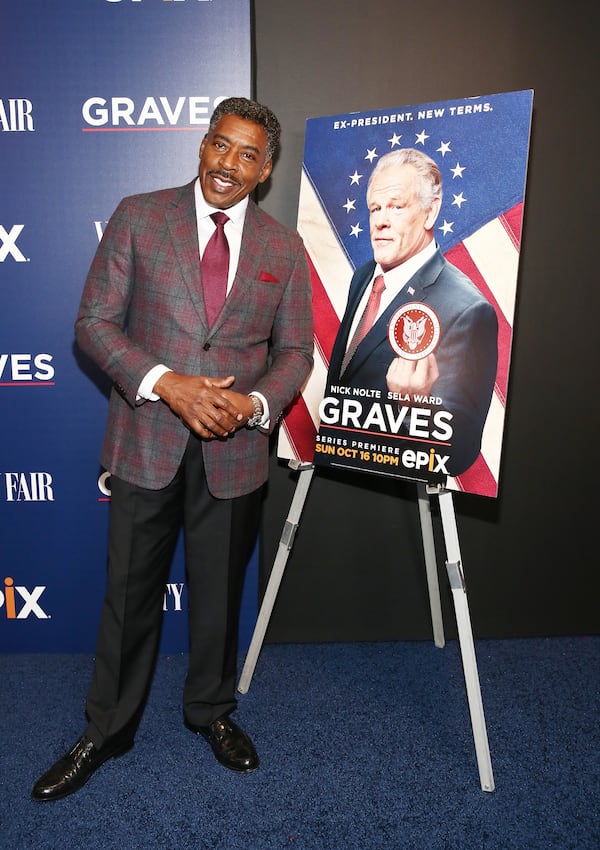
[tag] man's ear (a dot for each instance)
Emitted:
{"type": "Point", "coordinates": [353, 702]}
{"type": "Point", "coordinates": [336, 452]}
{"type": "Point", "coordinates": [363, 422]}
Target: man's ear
{"type": "Point", "coordinates": [433, 213]}
{"type": "Point", "coordinates": [265, 171]}
{"type": "Point", "coordinates": [202, 146]}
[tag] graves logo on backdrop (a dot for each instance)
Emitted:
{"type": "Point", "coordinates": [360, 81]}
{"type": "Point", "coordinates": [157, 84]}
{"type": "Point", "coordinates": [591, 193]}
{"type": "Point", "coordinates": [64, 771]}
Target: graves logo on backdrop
{"type": "Point", "coordinates": [102, 114]}
{"type": "Point", "coordinates": [19, 603]}
{"type": "Point", "coordinates": [16, 115]}
{"type": "Point", "coordinates": [163, 1]}
{"type": "Point", "coordinates": [31, 370]}
{"type": "Point", "coordinates": [104, 487]}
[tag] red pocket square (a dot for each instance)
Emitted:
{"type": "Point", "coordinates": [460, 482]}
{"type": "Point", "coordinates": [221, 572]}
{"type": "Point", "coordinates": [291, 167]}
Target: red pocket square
{"type": "Point", "coordinates": [268, 278]}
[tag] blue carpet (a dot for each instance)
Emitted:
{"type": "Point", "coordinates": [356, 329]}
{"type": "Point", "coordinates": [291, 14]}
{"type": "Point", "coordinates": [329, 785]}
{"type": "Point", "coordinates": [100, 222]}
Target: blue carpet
{"type": "Point", "coordinates": [362, 746]}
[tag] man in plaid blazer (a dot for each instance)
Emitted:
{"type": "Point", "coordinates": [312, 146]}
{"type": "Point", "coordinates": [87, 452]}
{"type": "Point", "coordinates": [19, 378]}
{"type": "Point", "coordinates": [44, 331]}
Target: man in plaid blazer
{"type": "Point", "coordinates": [193, 403]}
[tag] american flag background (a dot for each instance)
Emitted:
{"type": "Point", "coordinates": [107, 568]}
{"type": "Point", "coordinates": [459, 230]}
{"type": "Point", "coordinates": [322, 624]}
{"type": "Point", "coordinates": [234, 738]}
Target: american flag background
{"type": "Point", "coordinates": [481, 146]}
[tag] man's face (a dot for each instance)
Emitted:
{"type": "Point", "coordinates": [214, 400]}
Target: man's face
{"type": "Point", "coordinates": [399, 226]}
{"type": "Point", "coordinates": [233, 160]}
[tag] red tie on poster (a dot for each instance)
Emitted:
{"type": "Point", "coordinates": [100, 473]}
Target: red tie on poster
{"type": "Point", "coordinates": [366, 321]}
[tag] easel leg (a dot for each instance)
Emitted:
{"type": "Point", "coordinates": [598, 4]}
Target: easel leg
{"type": "Point", "coordinates": [465, 636]}
{"type": "Point", "coordinates": [285, 544]}
{"type": "Point", "coordinates": [431, 565]}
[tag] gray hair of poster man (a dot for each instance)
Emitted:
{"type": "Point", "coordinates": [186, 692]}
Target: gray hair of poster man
{"type": "Point", "coordinates": [428, 173]}
{"type": "Point", "coordinates": [250, 110]}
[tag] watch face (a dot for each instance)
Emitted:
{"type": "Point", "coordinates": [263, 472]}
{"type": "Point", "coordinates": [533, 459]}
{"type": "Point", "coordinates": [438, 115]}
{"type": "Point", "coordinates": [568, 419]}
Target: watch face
{"type": "Point", "coordinates": [414, 331]}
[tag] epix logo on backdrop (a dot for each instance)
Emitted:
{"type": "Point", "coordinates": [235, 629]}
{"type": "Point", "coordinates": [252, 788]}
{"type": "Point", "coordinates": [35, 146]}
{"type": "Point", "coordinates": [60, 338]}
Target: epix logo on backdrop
{"type": "Point", "coordinates": [8, 243]}
{"type": "Point", "coordinates": [32, 370]}
{"type": "Point", "coordinates": [18, 603]}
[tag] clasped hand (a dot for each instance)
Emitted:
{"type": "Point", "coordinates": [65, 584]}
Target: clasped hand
{"type": "Point", "coordinates": [206, 405]}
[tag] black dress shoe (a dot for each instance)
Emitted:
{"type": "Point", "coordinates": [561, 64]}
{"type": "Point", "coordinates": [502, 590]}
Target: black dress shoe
{"type": "Point", "coordinates": [230, 744]}
{"type": "Point", "coordinates": [72, 771]}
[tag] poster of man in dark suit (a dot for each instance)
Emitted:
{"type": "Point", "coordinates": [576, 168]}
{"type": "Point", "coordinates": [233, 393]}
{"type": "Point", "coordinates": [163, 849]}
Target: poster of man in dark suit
{"type": "Point", "coordinates": [429, 199]}
{"type": "Point", "coordinates": [430, 353]}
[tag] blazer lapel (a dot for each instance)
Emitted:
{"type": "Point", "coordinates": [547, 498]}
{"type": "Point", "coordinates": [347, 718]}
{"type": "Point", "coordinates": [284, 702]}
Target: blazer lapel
{"type": "Point", "coordinates": [416, 289]}
{"type": "Point", "coordinates": [181, 222]}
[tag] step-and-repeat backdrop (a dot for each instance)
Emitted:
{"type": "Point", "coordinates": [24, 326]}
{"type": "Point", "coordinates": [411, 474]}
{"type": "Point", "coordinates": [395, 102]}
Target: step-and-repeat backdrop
{"type": "Point", "coordinates": [98, 100]}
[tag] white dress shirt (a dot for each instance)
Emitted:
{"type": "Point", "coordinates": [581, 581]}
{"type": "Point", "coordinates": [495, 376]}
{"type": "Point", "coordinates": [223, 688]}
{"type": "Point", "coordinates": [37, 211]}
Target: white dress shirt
{"type": "Point", "coordinates": [206, 227]}
{"type": "Point", "coordinates": [395, 281]}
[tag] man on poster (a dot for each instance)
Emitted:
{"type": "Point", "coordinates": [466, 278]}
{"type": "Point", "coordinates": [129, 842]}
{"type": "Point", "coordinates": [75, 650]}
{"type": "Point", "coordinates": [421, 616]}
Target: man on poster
{"type": "Point", "coordinates": [416, 331]}
{"type": "Point", "coordinates": [197, 306]}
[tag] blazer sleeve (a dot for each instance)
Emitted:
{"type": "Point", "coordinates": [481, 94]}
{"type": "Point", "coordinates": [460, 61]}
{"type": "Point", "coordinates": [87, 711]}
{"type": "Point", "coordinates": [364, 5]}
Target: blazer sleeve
{"type": "Point", "coordinates": [100, 327]}
{"type": "Point", "coordinates": [291, 352]}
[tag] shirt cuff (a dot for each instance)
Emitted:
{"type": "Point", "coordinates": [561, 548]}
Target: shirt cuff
{"type": "Point", "coordinates": [145, 389]}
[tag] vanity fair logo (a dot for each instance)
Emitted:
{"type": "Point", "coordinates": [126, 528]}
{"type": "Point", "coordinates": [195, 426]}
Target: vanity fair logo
{"type": "Point", "coordinates": [29, 370]}
{"type": "Point", "coordinates": [18, 603]}
{"type": "Point", "coordinates": [28, 486]}
{"type": "Point", "coordinates": [16, 115]}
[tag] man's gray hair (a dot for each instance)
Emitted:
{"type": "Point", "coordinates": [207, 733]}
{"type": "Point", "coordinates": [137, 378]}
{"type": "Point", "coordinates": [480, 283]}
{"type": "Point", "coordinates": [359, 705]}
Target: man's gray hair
{"type": "Point", "coordinates": [430, 179]}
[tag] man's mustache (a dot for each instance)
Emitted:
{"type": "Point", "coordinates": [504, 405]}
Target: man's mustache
{"type": "Point", "coordinates": [226, 175]}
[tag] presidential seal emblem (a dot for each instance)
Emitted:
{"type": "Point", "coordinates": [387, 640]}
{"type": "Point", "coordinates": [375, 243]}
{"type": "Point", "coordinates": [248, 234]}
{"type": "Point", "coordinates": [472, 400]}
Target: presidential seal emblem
{"type": "Point", "coordinates": [414, 331]}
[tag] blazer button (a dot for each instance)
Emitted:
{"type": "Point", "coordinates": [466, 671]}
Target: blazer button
{"type": "Point", "coordinates": [206, 346]}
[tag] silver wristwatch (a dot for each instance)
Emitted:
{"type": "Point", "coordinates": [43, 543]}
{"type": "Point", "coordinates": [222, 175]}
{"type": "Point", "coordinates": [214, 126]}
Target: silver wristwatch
{"type": "Point", "coordinates": [258, 412]}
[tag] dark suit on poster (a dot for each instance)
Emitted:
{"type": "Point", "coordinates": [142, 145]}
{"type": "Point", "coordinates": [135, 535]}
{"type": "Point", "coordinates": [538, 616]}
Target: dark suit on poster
{"type": "Point", "coordinates": [467, 352]}
{"type": "Point", "coordinates": [147, 273]}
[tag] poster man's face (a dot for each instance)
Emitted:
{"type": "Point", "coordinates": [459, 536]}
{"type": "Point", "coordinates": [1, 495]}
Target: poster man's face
{"type": "Point", "coordinates": [399, 226]}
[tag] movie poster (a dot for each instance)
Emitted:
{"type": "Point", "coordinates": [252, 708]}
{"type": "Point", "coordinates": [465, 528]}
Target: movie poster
{"type": "Point", "coordinates": [412, 219]}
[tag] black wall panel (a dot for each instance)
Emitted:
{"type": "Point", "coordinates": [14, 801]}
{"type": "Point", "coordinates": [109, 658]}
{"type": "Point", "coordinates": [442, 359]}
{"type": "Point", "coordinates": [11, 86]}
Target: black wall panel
{"type": "Point", "coordinates": [531, 556]}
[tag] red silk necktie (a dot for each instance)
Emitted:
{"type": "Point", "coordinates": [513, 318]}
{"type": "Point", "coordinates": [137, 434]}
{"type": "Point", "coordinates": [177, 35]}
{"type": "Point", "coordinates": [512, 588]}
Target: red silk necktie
{"type": "Point", "coordinates": [215, 268]}
{"type": "Point", "coordinates": [366, 321]}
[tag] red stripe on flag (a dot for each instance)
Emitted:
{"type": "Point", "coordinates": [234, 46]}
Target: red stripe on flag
{"type": "Point", "coordinates": [512, 221]}
{"type": "Point", "coordinates": [478, 479]}
{"type": "Point", "coordinates": [326, 319]}
{"type": "Point", "coordinates": [300, 430]}
{"type": "Point", "coordinates": [460, 257]}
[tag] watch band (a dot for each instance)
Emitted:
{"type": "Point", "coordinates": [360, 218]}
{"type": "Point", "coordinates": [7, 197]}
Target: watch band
{"type": "Point", "coordinates": [258, 412]}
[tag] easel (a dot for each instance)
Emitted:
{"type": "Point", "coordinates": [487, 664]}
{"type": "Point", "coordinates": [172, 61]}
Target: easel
{"type": "Point", "coordinates": [457, 585]}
